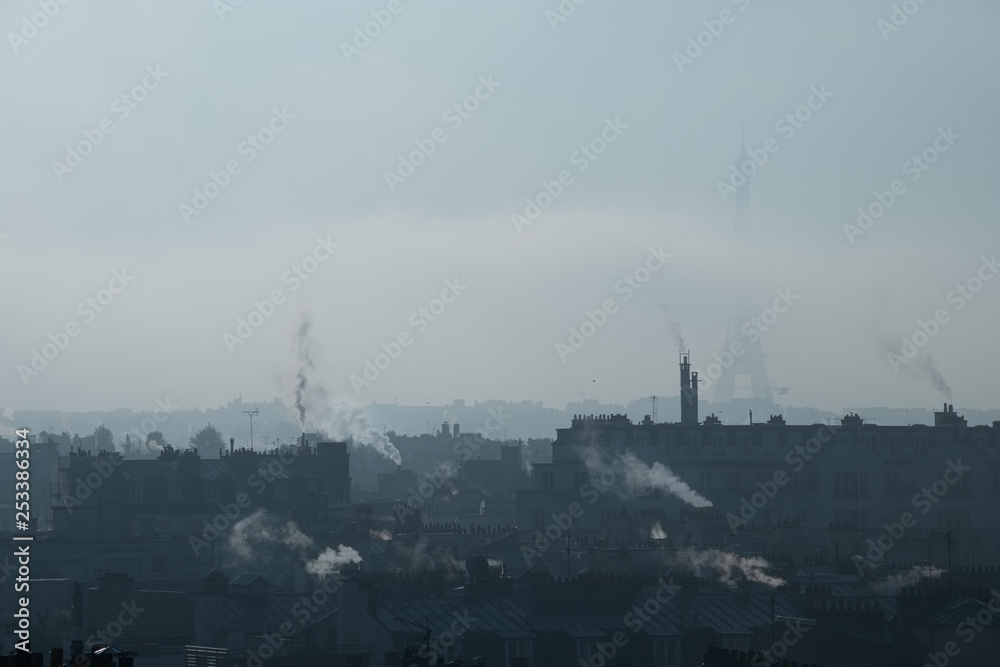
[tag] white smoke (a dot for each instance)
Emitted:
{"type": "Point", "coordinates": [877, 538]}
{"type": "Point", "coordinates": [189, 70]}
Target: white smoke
{"type": "Point", "coordinates": [251, 535]}
{"type": "Point", "coordinates": [727, 567]}
{"type": "Point", "coordinates": [914, 576]}
{"type": "Point", "coordinates": [383, 535]}
{"type": "Point", "coordinates": [332, 560]}
{"type": "Point", "coordinates": [261, 537]}
{"type": "Point", "coordinates": [315, 405]}
{"type": "Point", "coordinates": [632, 477]}
{"type": "Point", "coordinates": [657, 532]}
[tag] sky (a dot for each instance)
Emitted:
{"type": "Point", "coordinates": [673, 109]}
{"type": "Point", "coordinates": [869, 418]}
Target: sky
{"type": "Point", "coordinates": [508, 167]}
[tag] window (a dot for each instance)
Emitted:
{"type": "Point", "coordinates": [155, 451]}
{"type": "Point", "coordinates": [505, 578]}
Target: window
{"type": "Point", "coordinates": [587, 648]}
{"type": "Point", "coordinates": [540, 519]}
{"type": "Point", "coordinates": [548, 481]}
{"type": "Point", "coordinates": [802, 515]}
{"type": "Point", "coordinates": [518, 654]}
{"type": "Point", "coordinates": [718, 444]}
{"type": "Point", "coordinates": [951, 519]}
{"type": "Point", "coordinates": [962, 488]}
{"type": "Point", "coordinates": [853, 519]}
{"type": "Point", "coordinates": [706, 480]}
{"type": "Point", "coordinates": [641, 439]}
{"type": "Point", "coordinates": [850, 484]}
{"type": "Point", "coordinates": [281, 489]}
{"type": "Point", "coordinates": [666, 653]}
{"type": "Point", "coordinates": [135, 492]}
{"type": "Point", "coordinates": [692, 440]}
{"type": "Point", "coordinates": [743, 442]}
{"type": "Point", "coordinates": [311, 486]}
{"type": "Point", "coordinates": [891, 480]}
{"type": "Point", "coordinates": [979, 442]}
{"type": "Point", "coordinates": [895, 444]}
{"type": "Point", "coordinates": [173, 492]}
{"type": "Point", "coordinates": [666, 439]}
{"type": "Point", "coordinates": [871, 441]}
{"type": "Point", "coordinates": [579, 479]}
{"type": "Point", "coordinates": [212, 492]}
{"type": "Point", "coordinates": [945, 440]}
{"type": "Point", "coordinates": [734, 479]}
{"type": "Point", "coordinates": [921, 440]}
{"type": "Point", "coordinates": [770, 440]}
{"type": "Point", "coordinates": [159, 564]}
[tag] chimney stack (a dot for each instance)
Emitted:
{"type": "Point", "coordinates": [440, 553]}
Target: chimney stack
{"type": "Point", "coordinates": [689, 391]}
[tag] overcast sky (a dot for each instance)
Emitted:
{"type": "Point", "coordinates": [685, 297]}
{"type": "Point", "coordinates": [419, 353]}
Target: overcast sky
{"type": "Point", "coordinates": [340, 109]}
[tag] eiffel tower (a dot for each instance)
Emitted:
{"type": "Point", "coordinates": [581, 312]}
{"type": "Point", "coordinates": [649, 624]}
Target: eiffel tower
{"type": "Point", "coordinates": [741, 310]}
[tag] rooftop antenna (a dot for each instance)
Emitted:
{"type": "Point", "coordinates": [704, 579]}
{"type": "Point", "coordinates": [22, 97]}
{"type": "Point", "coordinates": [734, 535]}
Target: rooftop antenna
{"type": "Point", "coordinates": [251, 413]}
{"type": "Point", "coordinates": [654, 409]}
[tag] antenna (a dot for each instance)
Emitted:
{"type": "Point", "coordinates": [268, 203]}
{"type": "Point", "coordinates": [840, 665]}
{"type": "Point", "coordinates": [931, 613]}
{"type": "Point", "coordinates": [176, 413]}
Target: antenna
{"type": "Point", "coordinates": [654, 408]}
{"type": "Point", "coordinates": [251, 413]}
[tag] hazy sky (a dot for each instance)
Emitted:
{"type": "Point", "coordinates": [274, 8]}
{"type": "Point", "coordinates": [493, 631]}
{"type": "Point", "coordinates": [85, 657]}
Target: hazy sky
{"type": "Point", "coordinates": [198, 82]}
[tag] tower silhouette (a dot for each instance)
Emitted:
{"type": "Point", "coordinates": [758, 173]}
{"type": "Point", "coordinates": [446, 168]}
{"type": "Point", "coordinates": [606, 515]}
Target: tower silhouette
{"type": "Point", "coordinates": [742, 310]}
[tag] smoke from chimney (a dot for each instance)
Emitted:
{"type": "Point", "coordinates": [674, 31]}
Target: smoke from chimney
{"type": "Point", "coordinates": [632, 477]}
{"type": "Point", "coordinates": [920, 366]}
{"type": "Point", "coordinates": [914, 576]}
{"type": "Point", "coordinates": [675, 327]}
{"type": "Point", "coordinates": [339, 421]}
{"type": "Point", "coordinates": [726, 567]}
{"type": "Point", "coordinates": [306, 364]}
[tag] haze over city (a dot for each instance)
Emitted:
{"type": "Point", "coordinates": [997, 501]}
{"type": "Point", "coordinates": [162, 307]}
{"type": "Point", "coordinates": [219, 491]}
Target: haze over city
{"type": "Point", "coordinates": [543, 90]}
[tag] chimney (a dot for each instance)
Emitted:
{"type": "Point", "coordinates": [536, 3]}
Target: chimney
{"type": "Point", "coordinates": [689, 391]}
{"type": "Point", "coordinates": [231, 441]}
{"type": "Point", "coordinates": [454, 430]}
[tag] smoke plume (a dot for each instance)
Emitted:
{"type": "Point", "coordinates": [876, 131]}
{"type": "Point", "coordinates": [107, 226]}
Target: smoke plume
{"type": "Point", "coordinates": [306, 364]}
{"type": "Point", "coordinates": [631, 477]}
{"type": "Point", "coordinates": [919, 366]}
{"type": "Point", "coordinates": [675, 327]}
{"type": "Point", "coordinates": [383, 535]}
{"type": "Point", "coordinates": [339, 421]}
{"type": "Point", "coordinates": [262, 539]}
{"type": "Point", "coordinates": [914, 576]}
{"type": "Point", "coordinates": [657, 532]}
{"type": "Point", "coordinates": [332, 560]}
{"type": "Point", "coordinates": [727, 567]}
